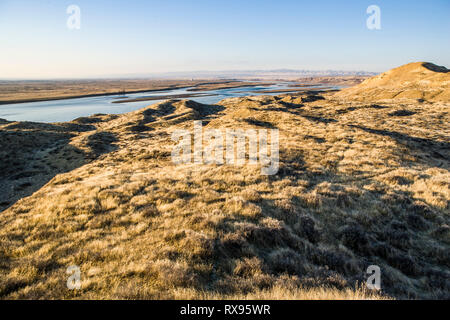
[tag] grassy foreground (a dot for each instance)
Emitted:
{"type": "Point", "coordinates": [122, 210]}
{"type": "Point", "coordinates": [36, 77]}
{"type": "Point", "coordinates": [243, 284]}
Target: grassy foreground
{"type": "Point", "coordinates": [359, 184]}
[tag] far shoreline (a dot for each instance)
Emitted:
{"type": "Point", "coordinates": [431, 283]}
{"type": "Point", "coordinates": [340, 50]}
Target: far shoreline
{"type": "Point", "coordinates": [87, 95]}
{"type": "Point", "coordinates": [197, 86]}
{"type": "Point", "coordinates": [26, 91]}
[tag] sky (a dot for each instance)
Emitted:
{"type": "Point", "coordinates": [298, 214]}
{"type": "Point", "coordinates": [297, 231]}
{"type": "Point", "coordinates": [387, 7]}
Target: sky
{"type": "Point", "coordinates": [131, 37]}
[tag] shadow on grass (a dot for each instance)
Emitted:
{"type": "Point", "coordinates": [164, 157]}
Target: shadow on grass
{"type": "Point", "coordinates": [33, 153]}
{"type": "Point", "coordinates": [329, 236]}
{"type": "Point", "coordinates": [418, 146]}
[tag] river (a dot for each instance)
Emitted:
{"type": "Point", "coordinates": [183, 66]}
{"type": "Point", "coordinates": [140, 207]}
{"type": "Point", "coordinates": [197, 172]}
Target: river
{"type": "Point", "coordinates": [70, 109]}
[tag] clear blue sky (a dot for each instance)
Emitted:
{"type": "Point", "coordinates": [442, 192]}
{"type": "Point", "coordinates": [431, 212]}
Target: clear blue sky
{"type": "Point", "coordinates": [126, 37]}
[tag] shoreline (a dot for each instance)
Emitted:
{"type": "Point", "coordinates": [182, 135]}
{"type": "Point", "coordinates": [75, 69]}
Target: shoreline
{"type": "Point", "coordinates": [3, 102]}
{"type": "Point", "coordinates": [299, 90]}
{"type": "Point", "coordinates": [166, 97]}
{"type": "Point", "coordinates": [208, 86]}
{"type": "Point", "coordinates": [252, 84]}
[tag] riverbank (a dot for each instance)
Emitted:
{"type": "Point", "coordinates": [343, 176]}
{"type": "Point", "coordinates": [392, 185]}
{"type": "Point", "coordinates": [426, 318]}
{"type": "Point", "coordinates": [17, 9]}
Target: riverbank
{"type": "Point", "coordinates": [15, 92]}
{"type": "Point", "coordinates": [164, 97]}
{"type": "Point", "coordinates": [24, 91]}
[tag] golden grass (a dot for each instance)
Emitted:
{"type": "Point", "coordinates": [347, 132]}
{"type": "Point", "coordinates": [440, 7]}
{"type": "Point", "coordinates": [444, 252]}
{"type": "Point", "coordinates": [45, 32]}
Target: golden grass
{"type": "Point", "coordinates": [357, 185]}
{"type": "Point", "coordinates": [282, 293]}
{"type": "Point", "coordinates": [417, 81]}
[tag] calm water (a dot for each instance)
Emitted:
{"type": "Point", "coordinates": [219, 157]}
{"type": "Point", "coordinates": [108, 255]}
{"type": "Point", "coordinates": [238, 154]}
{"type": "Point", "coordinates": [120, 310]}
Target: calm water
{"type": "Point", "coordinates": [70, 109]}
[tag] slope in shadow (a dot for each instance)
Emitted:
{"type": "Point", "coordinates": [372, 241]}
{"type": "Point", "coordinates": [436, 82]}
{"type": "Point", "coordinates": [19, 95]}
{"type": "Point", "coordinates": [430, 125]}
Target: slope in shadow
{"type": "Point", "coordinates": [435, 68]}
{"type": "Point", "coordinates": [314, 240]}
{"type": "Point", "coordinates": [33, 153]}
{"type": "Point", "coordinates": [421, 147]}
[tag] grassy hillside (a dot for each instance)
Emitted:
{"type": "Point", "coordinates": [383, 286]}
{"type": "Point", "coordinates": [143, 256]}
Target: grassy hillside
{"type": "Point", "coordinates": [417, 81]}
{"type": "Point", "coordinates": [359, 184]}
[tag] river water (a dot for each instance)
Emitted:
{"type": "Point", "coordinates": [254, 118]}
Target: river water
{"type": "Point", "coordinates": [70, 109]}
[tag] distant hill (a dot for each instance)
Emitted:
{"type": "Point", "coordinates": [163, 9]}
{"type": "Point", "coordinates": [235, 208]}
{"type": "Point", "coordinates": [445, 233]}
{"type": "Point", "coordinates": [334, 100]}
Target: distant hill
{"type": "Point", "coordinates": [421, 81]}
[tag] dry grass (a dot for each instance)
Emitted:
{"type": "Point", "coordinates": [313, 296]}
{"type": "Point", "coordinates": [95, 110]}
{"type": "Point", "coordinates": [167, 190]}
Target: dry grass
{"type": "Point", "coordinates": [417, 81]}
{"type": "Point", "coordinates": [279, 292]}
{"type": "Point", "coordinates": [358, 185]}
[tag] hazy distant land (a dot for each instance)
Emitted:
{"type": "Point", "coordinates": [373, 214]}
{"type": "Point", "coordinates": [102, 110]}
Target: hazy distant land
{"type": "Point", "coordinates": [22, 91]}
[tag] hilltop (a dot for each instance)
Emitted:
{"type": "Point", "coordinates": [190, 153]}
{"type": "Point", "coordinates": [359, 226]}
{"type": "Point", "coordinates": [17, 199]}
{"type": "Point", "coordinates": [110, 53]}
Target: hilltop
{"type": "Point", "coordinates": [358, 184]}
{"type": "Point", "coordinates": [419, 81]}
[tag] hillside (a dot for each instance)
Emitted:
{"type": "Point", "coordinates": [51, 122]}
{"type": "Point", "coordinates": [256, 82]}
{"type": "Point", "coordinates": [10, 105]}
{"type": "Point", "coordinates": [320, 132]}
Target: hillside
{"type": "Point", "coordinates": [419, 81]}
{"type": "Point", "coordinates": [358, 184]}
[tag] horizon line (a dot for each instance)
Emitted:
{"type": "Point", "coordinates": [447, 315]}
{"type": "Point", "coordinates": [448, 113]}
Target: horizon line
{"type": "Point", "coordinates": [188, 74]}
